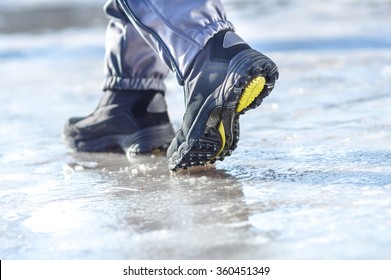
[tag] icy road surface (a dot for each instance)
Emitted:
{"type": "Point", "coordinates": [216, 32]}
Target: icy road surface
{"type": "Point", "coordinates": [311, 178]}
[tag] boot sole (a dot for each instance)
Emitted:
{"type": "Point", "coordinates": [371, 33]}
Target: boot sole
{"type": "Point", "coordinates": [216, 137]}
{"type": "Point", "coordinates": [141, 142]}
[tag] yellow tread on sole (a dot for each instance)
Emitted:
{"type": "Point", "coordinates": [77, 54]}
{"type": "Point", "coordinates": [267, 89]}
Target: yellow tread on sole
{"type": "Point", "coordinates": [221, 131]}
{"type": "Point", "coordinates": [249, 94]}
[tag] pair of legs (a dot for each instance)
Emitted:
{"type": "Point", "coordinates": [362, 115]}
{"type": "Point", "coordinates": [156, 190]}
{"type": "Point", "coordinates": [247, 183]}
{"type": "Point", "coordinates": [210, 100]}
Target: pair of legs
{"type": "Point", "coordinates": [221, 75]}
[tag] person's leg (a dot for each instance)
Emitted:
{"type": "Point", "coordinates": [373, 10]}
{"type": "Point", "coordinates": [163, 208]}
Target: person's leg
{"type": "Point", "coordinates": [222, 76]}
{"type": "Point", "coordinates": [132, 114]}
{"type": "Point", "coordinates": [130, 63]}
{"type": "Point", "coordinates": [177, 30]}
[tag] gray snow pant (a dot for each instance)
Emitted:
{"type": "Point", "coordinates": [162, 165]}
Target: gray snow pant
{"type": "Point", "coordinates": [143, 37]}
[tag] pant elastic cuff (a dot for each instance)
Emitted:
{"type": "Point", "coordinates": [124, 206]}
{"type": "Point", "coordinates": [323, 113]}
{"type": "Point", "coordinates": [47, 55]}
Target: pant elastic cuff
{"type": "Point", "coordinates": [120, 83]}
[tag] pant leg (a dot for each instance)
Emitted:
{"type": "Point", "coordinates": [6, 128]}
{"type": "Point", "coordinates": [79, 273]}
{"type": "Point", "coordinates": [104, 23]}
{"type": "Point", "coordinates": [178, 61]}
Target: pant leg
{"type": "Point", "coordinates": [130, 63]}
{"type": "Point", "coordinates": [177, 29]}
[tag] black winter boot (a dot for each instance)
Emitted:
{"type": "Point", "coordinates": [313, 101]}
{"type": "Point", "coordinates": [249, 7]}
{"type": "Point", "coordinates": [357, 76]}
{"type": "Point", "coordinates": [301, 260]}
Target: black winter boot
{"type": "Point", "coordinates": [130, 121]}
{"type": "Point", "coordinates": [228, 78]}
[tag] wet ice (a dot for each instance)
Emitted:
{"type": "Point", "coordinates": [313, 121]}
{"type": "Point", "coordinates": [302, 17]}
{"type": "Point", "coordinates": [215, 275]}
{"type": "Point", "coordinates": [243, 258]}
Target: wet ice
{"type": "Point", "coordinates": [311, 177]}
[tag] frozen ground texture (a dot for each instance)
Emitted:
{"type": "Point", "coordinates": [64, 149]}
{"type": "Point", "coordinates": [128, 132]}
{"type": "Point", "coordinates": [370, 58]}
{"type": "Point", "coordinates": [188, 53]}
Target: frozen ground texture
{"type": "Point", "coordinates": [311, 178]}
